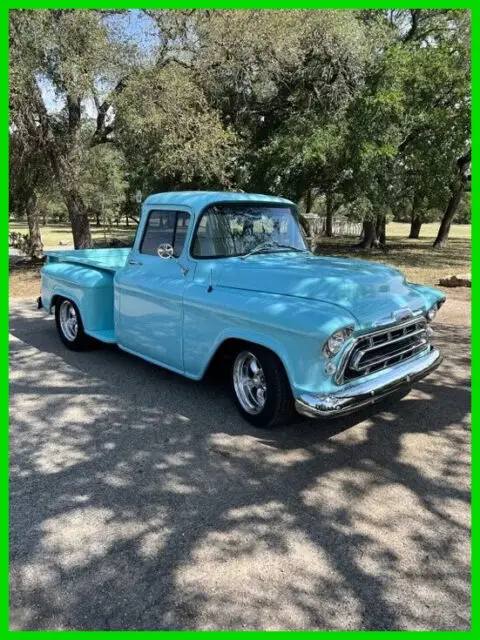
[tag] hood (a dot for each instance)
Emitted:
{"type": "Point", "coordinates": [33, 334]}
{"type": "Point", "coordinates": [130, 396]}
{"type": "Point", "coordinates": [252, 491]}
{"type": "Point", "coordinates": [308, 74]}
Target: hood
{"type": "Point", "coordinates": [371, 292]}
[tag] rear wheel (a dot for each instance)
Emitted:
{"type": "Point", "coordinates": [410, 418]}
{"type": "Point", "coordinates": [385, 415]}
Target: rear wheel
{"type": "Point", "coordinates": [261, 387]}
{"type": "Point", "coordinates": [70, 326]}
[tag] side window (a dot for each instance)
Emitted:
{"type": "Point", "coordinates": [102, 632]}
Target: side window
{"type": "Point", "coordinates": [165, 227]}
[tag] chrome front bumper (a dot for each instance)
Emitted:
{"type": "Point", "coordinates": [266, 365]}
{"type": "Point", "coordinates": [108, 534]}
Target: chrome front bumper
{"type": "Point", "coordinates": [352, 397]}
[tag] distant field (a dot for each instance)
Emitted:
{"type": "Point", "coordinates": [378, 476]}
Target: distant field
{"type": "Point", "coordinates": [53, 234]}
{"type": "Point", "coordinates": [416, 258]}
{"type": "Point", "coordinates": [429, 230]}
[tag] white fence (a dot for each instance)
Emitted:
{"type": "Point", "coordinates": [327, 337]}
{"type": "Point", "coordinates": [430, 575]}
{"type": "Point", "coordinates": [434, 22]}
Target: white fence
{"type": "Point", "coordinates": [340, 226]}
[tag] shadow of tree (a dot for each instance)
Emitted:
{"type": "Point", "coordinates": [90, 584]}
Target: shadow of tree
{"type": "Point", "coordinates": [140, 500]}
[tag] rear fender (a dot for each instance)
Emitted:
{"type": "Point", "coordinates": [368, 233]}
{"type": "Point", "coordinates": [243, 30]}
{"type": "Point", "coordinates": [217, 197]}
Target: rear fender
{"type": "Point", "coordinates": [91, 290]}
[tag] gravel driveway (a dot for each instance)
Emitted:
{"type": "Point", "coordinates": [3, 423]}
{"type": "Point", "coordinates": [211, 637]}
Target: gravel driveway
{"type": "Point", "coordinates": [140, 500]}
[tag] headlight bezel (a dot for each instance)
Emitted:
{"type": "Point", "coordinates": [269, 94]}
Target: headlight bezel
{"type": "Point", "coordinates": [431, 313]}
{"type": "Point", "coordinates": [336, 341]}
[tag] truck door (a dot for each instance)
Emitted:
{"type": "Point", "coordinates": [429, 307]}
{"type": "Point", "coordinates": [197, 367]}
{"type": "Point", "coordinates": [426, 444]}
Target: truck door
{"type": "Point", "coordinates": [149, 290]}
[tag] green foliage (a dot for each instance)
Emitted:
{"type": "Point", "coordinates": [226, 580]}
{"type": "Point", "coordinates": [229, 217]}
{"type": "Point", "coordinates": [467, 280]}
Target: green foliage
{"type": "Point", "coordinates": [172, 137]}
{"type": "Point", "coordinates": [103, 182]}
{"type": "Point", "coordinates": [366, 110]}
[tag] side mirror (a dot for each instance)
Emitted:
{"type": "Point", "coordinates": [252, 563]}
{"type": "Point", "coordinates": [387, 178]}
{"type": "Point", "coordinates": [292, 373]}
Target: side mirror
{"type": "Point", "coordinates": [165, 251]}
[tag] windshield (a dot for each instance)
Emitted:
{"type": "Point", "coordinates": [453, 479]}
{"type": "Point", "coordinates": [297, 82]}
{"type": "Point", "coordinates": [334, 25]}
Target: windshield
{"type": "Point", "coordinates": [235, 230]}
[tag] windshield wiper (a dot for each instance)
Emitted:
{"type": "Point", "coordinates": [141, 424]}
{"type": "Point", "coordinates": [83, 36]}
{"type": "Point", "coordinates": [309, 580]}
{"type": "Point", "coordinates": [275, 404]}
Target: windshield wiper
{"type": "Point", "coordinates": [263, 246]}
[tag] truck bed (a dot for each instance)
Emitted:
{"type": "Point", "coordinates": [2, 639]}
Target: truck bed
{"type": "Point", "coordinates": [105, 259]}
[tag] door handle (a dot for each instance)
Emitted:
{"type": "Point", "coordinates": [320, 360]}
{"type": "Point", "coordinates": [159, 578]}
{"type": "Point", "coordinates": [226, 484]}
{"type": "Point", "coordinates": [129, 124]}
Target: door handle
{"type": "Point", "coordinates": [135, 262]}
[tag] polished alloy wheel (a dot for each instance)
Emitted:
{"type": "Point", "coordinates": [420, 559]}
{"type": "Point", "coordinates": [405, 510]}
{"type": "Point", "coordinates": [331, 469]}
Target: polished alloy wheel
{"type": "Point", "coordinates": [68, 320]}
{"type": "Point", "coordinates": [249, 382]}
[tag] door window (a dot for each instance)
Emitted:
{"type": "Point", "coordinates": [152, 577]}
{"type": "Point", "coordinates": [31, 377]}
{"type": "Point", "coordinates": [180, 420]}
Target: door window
{"type": "Point", "coordinates": [165, 227]}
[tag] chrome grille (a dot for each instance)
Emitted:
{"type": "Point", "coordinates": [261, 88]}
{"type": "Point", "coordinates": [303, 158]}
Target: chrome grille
{"type": "Point", "coordinates": [384, 348]}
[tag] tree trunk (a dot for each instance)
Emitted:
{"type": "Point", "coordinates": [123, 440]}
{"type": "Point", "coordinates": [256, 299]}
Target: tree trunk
{"type": "Point", "coordinates": [97, 218]}
{"type": "Point", "coordinates": [77, 214]}
{"type": "Point", "coordinates": [456, 193]}
{"type": "Point", "coordinates": [369, 234]}
{"type": "Point", "coordinates": [415, 226]}
{"type": "Point", "coordinates": [380, 230]}
{"type": "Point", "coordinates": [329, 220]}
{"type": "Point", "coordinates": [36, 246]}
{"type": "Point", "coordinates": [308, 201]}
{"type": "Point", "coordinates": [442, 236]}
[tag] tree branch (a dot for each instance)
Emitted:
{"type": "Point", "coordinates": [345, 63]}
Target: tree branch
{"type": "Point", "coordinates": [103, 130]}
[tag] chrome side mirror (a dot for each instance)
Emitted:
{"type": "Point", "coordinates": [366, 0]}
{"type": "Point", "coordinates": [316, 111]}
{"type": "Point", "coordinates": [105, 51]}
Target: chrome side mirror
{"type": "Point", "coordinates": [165, 251]}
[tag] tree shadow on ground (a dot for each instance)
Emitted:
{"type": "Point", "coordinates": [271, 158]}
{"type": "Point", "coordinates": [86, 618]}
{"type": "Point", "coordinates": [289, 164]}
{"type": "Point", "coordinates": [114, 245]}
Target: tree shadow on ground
{"type": "Point", "coordinates": [140, 500]}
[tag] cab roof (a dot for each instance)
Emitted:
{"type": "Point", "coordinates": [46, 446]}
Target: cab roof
{"type": "Point", "coordinates": [198, 200]}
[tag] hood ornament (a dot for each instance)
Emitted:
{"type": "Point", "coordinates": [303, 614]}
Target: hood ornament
{"type": "Point", "coordinates": [402, 314]}
{"type": "Point", "coordinates": [399, 315]}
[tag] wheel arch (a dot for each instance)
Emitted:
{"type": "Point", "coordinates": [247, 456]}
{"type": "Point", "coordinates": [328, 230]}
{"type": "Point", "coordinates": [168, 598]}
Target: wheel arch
{"type": "Point", "coordinates": [228, 345]}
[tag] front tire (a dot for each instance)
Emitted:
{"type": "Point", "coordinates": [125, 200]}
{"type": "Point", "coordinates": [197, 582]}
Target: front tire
{"type": "Point", "coordinates": [261, 388]}
{"type": "Point", "coordinates": [70, 326]}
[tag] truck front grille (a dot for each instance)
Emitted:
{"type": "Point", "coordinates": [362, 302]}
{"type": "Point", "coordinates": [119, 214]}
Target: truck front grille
{"type": "Point", "coordinates": [384, 348]}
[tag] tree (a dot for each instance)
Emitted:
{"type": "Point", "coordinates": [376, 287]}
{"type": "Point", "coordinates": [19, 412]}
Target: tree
{"type": "Point", "coordinates": [103, 183]}
{"type": "Point", "coordinates": [457, 189]}
{"type": "Point", "coordinates": [171, 138]}
{"type": "Point", "coordinates": [69, 51]}
{"type": "Point", "coordinates": [410, 121]}
{"type": "Point", "coordinates": [26, 176]}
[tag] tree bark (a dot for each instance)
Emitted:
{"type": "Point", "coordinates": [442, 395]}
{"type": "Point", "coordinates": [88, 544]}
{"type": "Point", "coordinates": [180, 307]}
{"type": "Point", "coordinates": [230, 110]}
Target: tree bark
{"type": "Point", "coordinates": [329, 211]}
{"type": "Point", "coordinates": [381, 231]}
{"type": "Point", "coordinates": [415, 226]}
{"type": "Point", "coordinates": [456, 196]}
{"type": "Point", "coordinates": [369, 234]}
{"type": "Point", "coordinates": [77, 214]}
{"type": "Point", "coordinates": [36, 246]}
{"type": "Point", "coordinates": [308, 201]}
{"type": "Point", "coordinates": [456, 192]}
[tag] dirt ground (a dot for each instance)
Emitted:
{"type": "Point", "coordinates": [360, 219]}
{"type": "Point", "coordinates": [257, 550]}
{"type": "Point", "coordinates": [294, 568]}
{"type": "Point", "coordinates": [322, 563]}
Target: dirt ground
{"type": "Point", "coordinates": [141, 500]}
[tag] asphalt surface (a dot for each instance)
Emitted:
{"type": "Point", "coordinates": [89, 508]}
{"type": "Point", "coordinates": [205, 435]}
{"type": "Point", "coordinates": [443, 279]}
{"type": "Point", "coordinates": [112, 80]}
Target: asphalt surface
{"type": "Point", "coordinates": [140, 500]}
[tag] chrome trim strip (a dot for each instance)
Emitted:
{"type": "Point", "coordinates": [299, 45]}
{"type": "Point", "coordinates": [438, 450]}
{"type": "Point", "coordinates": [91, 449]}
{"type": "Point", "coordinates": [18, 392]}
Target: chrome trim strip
{"type": "Point", "coordinates": [346, 356]}
{"type": "Point", "coordinates": [395, 354]}
{"type": "Point", "coordinates": [393, 340]}
{"type": "Point", "coordinates": [355, 396]}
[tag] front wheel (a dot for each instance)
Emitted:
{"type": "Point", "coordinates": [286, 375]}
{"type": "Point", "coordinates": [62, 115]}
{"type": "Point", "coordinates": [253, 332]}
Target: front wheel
{"type": "Point", "coordinates": [261, 387]}
{"type": "Point", "coordinates": [70, 326]}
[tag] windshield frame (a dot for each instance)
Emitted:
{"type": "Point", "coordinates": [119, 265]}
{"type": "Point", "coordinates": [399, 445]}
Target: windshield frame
{"type": "Point", "coordinates": [267, 205]}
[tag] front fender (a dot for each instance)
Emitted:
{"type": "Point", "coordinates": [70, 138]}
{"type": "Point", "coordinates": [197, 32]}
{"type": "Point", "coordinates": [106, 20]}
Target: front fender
{"type": "Point", "coordinates": [293, 328]}
{"type": "Point", "coordinates": [430, 295]}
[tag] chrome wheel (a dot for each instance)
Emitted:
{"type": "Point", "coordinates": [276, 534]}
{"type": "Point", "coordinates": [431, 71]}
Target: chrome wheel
{"type": "Point", "coordinates": [249, 382]}
{"type": "Point", "coordinates": [68, 320]}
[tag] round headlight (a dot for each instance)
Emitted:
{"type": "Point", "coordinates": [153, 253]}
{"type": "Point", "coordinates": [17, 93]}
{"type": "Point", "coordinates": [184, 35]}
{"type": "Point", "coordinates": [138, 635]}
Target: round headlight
{"type": "Point", "coordinates": [431, 313]}
{"type": "Point", "coordinates": [336, 341]}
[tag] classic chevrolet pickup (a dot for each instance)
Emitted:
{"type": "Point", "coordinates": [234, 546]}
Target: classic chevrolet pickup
{"type": "Point", "coordinates": [229, 275]}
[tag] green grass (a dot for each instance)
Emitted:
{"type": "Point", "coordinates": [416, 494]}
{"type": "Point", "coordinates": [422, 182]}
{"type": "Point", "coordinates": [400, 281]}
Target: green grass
{"type": "Point", "coordinates": [429, 230]}
{"type": "Point", "coordinates": [53, 234]}
{"type": "Point", "coordinates": [417, 259]}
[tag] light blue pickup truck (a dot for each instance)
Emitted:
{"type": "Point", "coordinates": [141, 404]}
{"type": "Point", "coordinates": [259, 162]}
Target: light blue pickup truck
{"type": "Point", "coordinates": [229, 276]}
